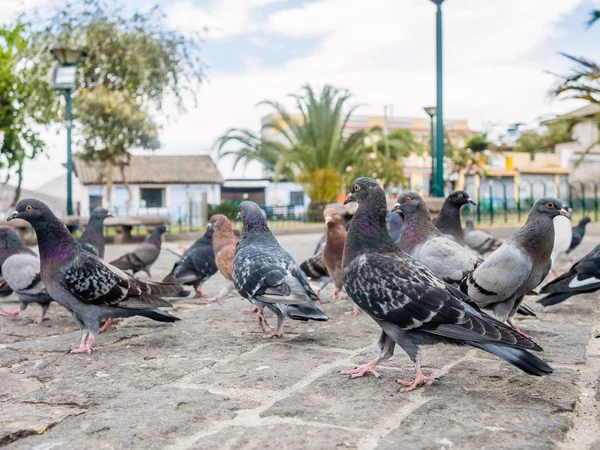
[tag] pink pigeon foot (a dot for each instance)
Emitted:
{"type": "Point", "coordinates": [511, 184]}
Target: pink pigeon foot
{"type": "Point", "coordinates": [335, 294]}
{"type": "Point", "coordinates": [36, 320]}
{"type": "Point", "coordinates": [9, 314]}
{"type": "Point", "coordinates": [252, 310]}
{"type": "Point", "coordinates": [412, 385]}
{"type": "Point", "coordinates": [85, 346]}
{"type": "Point", "coordinates": [105, 326]}
{"type": "Point", "coordinates": [516, 328]}
{"type": "Point", "coordinates": [261, 319]}
{"type": "Point", "coordinates": [274, 334]}
{"type": "Point", "coordinates": [356, 310]}
{"type": "Point", "coordinates": [361, 371]}
{"type": "Point", "coordinates": [199, 294]}
{"type": "Point", "coordinates": [208, 301]}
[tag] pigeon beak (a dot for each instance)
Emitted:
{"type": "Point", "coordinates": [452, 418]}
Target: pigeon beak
{"type": "Point", "coordinates": [563, 212]}
{"type": "Point", "coordinates": [327, 219]}
{"type": "Point", "coordinates": [209, 226]}
{"type": "Point", "coordinates": [471, 202]}
{"type": "Point", "coordinates": [349, 199]}
{"type": "Point", "coordinates": [12, 215]}
{"type": "Point", "coordinates": [396, 207]}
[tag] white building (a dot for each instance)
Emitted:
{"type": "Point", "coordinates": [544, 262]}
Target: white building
{"type": "Point", "coordinates": [266, 192]}
{"type": "Point", "coordinates": [159, 184]}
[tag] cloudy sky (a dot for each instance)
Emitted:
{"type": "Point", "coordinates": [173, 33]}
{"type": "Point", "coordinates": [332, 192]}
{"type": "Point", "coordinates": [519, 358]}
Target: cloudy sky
{"type": "Point", "coordinates": [497, 56]}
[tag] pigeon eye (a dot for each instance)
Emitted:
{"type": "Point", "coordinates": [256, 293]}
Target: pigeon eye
{"type": "Point", "coordinates": [356, 187]}
{"type": "Point", "coordinates": [29, 208]}
{"type": "Point", "coordinates": [460, 196]}
{"type": "Point", "coordinates": [550, 205]}
{"type": "Point", "coordinates": [407, 199]}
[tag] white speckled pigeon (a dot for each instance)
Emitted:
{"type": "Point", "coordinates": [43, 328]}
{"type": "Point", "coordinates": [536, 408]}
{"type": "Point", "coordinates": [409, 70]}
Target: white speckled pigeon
{"type": "Point", "coordinates": [518, 266]}
{"type": "Point", "coordinates": [480, 241]}
{"type": "Point", "coordinates": [87, 286]}
{"type": "Point", "coordinates": [21, 271]}
{"type": "Point", "coordinates": [92, 239]}
{"type": "Point", "coordinates": [196, 265]}
{"type": "Point", "coordinates": [583, 277]}
{"type": "Point", "coordinates": [267, 276]}
{"type": "Point", "coordinates": [447, 259]}
{"type": "Point", "coordinates": [144, 255]}
{"type": "Point", "coordinates": [448, 220]}
{"type": "Point", "coordinates": [410, 304]}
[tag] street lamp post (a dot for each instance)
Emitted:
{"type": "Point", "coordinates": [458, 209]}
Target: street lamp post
{"type": "Point", "coordinates": [63, 79]}
{"type": "Point", "coordinates": [430, 110]}
{"type": "Point", "coordinates": [439, 172]}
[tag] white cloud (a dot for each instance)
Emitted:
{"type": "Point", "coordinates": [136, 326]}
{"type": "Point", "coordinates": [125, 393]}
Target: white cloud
{"type": "Point", "coordinates": [384, 52]}
{"type": "Point", "coordinates": [220, 19]}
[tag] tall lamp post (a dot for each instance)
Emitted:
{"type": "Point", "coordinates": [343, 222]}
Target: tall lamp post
{"type": "Point", "coordinates": [439, 172]}
{"type": "Point", "coordinates": [430, 110]}
{"type": "Point", "coordinates": [63, 79]}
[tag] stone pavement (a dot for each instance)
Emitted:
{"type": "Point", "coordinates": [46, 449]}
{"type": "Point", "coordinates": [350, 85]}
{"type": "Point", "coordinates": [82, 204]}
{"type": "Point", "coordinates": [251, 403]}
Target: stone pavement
{"type": "Point", "coordinates": [212, 382]}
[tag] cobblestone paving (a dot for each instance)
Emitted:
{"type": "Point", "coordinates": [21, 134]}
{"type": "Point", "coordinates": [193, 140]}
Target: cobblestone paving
{"type": "Point", "coordinates": [212, 382]}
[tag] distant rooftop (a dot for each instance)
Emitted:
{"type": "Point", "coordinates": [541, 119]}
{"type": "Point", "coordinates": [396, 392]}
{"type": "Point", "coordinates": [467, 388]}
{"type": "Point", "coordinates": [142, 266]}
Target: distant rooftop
{"type": "Point", "coordinates": [586, 111]}
{"type": "Point", "coordinates": [154, 169]}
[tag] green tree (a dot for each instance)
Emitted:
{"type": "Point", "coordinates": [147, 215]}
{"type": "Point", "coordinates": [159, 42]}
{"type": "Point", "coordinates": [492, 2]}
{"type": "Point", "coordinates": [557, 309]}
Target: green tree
{"type": "Point", "coordinates": [312, 147]}
{"type": "Point", "coordinates": [530, 142]}
{"type": "Point", "coordinates": [557, 133]}
{"type": "Point", "coordinates": [478, 142]}
{"type": "Point", "coordinates": [21, 94]}
{"type": "Point", "coordinates": [135, 66]}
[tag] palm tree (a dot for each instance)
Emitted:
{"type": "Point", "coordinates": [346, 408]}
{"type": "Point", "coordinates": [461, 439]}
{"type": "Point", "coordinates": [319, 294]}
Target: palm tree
{"type": "Point", "coordinates": [313, 147]}
{"type": "Point", "coordinates": [595, 15]}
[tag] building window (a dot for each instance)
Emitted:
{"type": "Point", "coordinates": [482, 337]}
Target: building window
{"type": "Point", "coordinates": [152, 197]}
{"type": "Point", "coordinates": [297, 198]}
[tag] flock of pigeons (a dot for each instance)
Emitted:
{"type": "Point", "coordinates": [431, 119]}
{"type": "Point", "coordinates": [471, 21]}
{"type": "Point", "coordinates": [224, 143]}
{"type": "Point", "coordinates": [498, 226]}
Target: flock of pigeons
{"type": "Point", "coordinates": [423, 281]}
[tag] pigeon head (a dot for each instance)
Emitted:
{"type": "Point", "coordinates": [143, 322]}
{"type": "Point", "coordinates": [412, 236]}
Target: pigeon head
{"type": "Point", "coordinates": [161, 229]}
{"type": "Point", "coordinates": [411, 206]}
{"type": "Point", "coordinates": [220, 222]}
{"type": "Point", "coordinates": [364, 189]}
{"type": "Point", "coordinates": [548, 207]}
{"type": "Point", "coordinates": [253, 217]}
{"type": "Point", "coordinates": [31, 210]}
{"type": "Point", "coordinates": [458, 199]}
{"type": "Point", "coordinates": [583, 222]}
{"type": "Point", "coordinates": [331, 217]}
{"type": "Point", "coordinates": [101, 213]}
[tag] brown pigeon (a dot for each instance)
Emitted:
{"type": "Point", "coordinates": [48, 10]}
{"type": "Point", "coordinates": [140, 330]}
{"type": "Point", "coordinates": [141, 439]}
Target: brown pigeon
{"type": "Point", "coordinates": [224, 242]}
{"type": "Point", "coordinates": [334, 250]}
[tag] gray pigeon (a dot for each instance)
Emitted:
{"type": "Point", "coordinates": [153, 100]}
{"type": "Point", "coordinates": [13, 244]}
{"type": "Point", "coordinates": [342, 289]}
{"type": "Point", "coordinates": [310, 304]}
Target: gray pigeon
{"type": "Point", "coordinates": [448, 220]}
{"type": "Point", "coordinates": [267, 276]}
{"type": "Point", "coordinates": [447, 259]}
{"type": "Point", "coordinates": [88, 287]}
{"type": "Point", "coordinates": [92, 239]}
{"type": "Point", "coordinates": [410, 304]}
{"type": "Point", "coordinates": [518, 266]}
{"type": "Point", "coordinates": [578, 233]}
{"type": "Point", "coordinates": [196, 265]}
{"type": "Point", "coordinates": [146, 254]}
{"type": "Point", "coordinates": [394, 221]}
{"type": "Point", "coordinates": [316, 271]}
{"type": "Point", "coordinates": [480, 241]}
{"type": "Point", "coordinates": [21, 271]}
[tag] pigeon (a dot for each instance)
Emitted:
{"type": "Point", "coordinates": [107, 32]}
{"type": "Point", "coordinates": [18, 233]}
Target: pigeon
{"type": "Point", "coordinates": [21, 272]}
{"type": "Point", "coordinates": [448, 220]}
{"type": "Point", "coordinates": [88, 287]}
{"type": "Point", "coordinates": [224, 242]}
{"type": "Point", "coordinates": [321, 245]}
{"type": "Point", "coordinates": [334, 250]}
{"type": "Point", "coordinates": [447, 259]}
{"type": "Point", "coordinates": [316, 272]}
{"type": "Point", "coordinates": [196, 265]}
{"type": "Point", "coordinates": [583, 277]}
{"type": "Point", "coordinates": [578, 233]}
{"type": "Point", "coordinates": [563, 234]}
{"type": "Point", "coordinates": [518, 266]}
{"type": "Point", "coordinates": [411, 305]}
{"type": "Point", "coordinates": [480, 241]}
{"type": "Point", "coordinates": [394, 222]}
{"type": "Point", "coordinates": [92, 239]}
{"type": "Point", "coordinates": [142, 258]}
{"type": "Point", "coordinates": [267, 276]}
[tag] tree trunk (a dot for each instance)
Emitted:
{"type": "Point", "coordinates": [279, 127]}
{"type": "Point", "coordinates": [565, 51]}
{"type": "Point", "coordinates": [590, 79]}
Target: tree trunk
{"type": "Point", "coordinates": [126, 184]}
{"type": "Point", "coordinates": [109, 184]}
{"type": "Point", "coordinates": [19, 183]}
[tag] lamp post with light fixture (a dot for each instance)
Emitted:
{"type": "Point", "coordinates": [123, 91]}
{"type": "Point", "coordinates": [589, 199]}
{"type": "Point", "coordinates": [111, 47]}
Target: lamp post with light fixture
{"type": "Point", "coordinates": [63, 79]}
{"type": "Point", "coordinates": [430, 110]}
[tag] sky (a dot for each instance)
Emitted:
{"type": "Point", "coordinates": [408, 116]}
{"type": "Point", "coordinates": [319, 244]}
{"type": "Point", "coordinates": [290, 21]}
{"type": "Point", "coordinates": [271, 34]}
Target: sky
{"type": "Point", "coordinates": [497, 59]}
